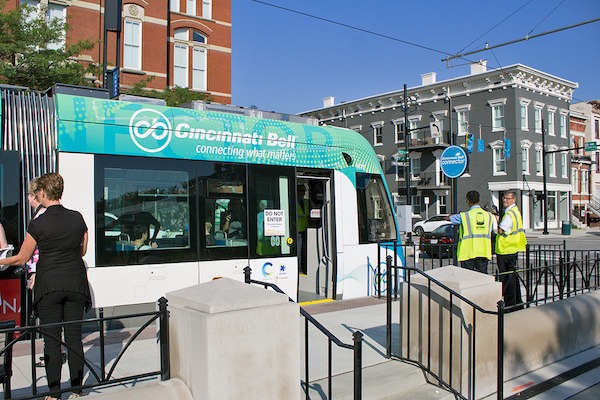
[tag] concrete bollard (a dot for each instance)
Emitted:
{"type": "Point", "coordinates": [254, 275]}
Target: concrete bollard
{"type": "Point", "coordinates": [231, 340]}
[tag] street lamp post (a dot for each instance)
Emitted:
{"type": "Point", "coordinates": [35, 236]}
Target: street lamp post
{"type": "Point", "coordinates": [545, 232]}
{"type": "Point", "coordinates": [407, 160]}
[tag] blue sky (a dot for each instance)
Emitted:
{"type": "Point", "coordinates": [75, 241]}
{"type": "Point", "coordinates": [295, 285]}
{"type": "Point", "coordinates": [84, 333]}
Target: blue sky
{"type": "Point", "coordinates": [286, 62]}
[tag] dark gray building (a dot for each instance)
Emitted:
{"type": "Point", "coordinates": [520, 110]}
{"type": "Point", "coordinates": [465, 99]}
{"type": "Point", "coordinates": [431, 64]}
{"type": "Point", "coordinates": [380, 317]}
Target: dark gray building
{"type": "Point", "coordinates": [499, 111]}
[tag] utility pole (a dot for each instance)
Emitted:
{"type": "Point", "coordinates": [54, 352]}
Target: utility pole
{"type": "Point", "coordinates": [407, 160]}
{"type": "Point", "coordinates": [545, 232]}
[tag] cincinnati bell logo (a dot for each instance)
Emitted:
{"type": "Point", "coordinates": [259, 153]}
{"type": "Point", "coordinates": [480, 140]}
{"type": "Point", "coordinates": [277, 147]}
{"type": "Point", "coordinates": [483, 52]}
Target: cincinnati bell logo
{"type": "Point", "coordinates": [150, 130]}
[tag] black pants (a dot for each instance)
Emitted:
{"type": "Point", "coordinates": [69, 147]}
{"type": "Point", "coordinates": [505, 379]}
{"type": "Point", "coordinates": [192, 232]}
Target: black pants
{"type": "Point", "coordinates": [302, 245]}
{"type": "Point", "coordinates": [511, 289]}
{"type": "Point", "coordinates": [478, 264]}
{"type": "Point", "coordinates": [62, 307]}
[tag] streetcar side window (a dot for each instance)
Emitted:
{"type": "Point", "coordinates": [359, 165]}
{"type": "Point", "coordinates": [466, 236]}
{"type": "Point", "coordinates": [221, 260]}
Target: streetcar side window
{"type": "Point", "coordinates": [375, 218]}
{"type": "Point", "coordinates": [144, 211]}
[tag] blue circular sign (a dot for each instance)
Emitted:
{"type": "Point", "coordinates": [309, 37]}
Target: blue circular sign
{"type": "Point", "coordinates": [454, 161]}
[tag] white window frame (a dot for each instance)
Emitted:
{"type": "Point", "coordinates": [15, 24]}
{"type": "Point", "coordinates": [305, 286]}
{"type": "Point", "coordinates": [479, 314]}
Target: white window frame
{"type": "Point", "coordinates": [207, 9]}
{"type": "Point", "coordinates": [377, 132]}
{"type": "Point", "coordinates": [61, 9]}
{"type": "Point", "coordinates": [498, 116]}
{"type": "Point", "coordinates": [132, 51]}
{"type": "Point", "coordinates": [415, 167]}
{"type": "Point", "coordinates": [416, 202]}
{"type": "Point", "coordinates": [398, 123]}
{"type": "Point", "coordinates": [524, 113]}
{"type": "Point", "coordinates": [442, 203]}
{"type": "Point", "coordinates": [199, 68]}
{"type": "Point", "coordinates": [181, 72]}
{"type": "Point", "coordinates": [563, 123]}
{"type": "Point", "coordinates": [552, 164]}
{"type": "Point", "coordinates": [498, 158]}
{"type": "Point", "coordinates": [525, 161]}
{"type": "Point", "coordinates": [174, 5]}
{"type": "Point", "coordinates": [413, 123]}
{"type": "Point", "coordinates": [538, 107]}
{"type": "Point", "coordinates": [462, 116]}
{"type": "Point", "coordinates": [439, 116]}
{"type": "Point", "coordinates": [398, 170]}
{"type": "Point", "coordinates": [585, 178]}
{"type": "Point", "coordinates": [564, 164]}
{"type": "Point", "coordinates": [575, 180]}
{"type": "Point", "coordinates": [539, 163]}
{"type": "Point", "coordinates": [190, 5]}
{"type": "Point", "coordinates": [551, 117]}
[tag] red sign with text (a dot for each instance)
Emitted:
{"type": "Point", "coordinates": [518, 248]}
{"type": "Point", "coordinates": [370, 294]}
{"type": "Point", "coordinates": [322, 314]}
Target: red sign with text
{"type": "Point", "coordinates": [10, 294]}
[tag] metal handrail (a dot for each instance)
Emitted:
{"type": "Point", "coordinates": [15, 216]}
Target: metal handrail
{"type": "Point", "coordinates": [102, 379]}
{"type": "Point", "coordinates": [357, 338]}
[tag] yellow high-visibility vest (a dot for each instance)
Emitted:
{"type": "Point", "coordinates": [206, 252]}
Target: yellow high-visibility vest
{"type": "Point", "coordinates": [475, 234]}
{"type": "Point", "coordinates": [514, 241]}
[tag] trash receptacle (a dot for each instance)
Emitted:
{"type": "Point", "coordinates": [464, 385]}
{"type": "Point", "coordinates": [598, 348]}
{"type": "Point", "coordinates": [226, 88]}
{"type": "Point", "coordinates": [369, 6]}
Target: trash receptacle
{"type": "Point", "coordinates": [566, 228]}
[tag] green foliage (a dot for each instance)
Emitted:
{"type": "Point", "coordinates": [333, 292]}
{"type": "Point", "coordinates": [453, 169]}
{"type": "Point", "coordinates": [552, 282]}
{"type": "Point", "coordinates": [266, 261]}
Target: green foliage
{"type": "Point", "coordinates": [27, 57]}
{"type": "Point", "coordinates": [173, 97]}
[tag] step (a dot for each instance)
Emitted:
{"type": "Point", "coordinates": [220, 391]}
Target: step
{"type": "Point", "coordinates": [392, 380]}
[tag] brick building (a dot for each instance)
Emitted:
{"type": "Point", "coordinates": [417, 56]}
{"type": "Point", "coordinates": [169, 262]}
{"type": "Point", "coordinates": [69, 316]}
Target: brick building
{"type": "Point", "coordinates": [184, 43]}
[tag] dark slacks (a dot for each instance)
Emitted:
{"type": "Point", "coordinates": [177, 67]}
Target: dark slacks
{"type": "Point", "coordinates": [62, 307]}
{"type": "Point", "coordinates": [511, 289]}
{"type": "Point", "coordinates": [478, 264]}
{"type": "Point", "coordinates": [302, 246]}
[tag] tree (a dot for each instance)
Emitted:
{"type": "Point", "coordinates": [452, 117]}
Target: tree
{"type": "Point", "coordinates": [173, 97]}
{"type": "Point", "coordinates": [33, 52]}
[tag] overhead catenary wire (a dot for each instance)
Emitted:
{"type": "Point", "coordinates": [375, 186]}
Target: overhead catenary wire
{"type": "Point", "coordinates": [447, 59]}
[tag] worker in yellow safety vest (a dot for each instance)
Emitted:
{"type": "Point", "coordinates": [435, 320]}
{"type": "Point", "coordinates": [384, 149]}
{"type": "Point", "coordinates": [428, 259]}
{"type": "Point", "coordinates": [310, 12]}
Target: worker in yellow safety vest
{"type": "Point", "coordinates": [509, 241]}
{"type": "Point", "coordinates": [475, 244]}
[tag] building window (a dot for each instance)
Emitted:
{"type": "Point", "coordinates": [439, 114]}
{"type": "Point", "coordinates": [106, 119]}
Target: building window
{"type": "Point", "coordinates": [563, 165]}
{"type": "Point", "coordinates": [398, 131]}
{"type": "Point", "coordinates": [413, 124]}
{"type": "Point", "coordinates": [52, 12]}
{"type": "Point", "coordinates": [563, 125]}
{"type": "Point", "coordinates": [497, 114]}
{"type": "Point", "coordinates": [538, 120]}
{"type": "Point", "coordinates": [207, 9]}
{"type": "Point", "coordinates": [538, 161]}
{"type": "Point", "coordinates": [499, 162]}
{"type": "Point", "coordinates": [438, 117]}
{"type": "Point", "coordinates": [551, 122]}
{"type": "Point", "coordinates": [377, 133]}
{"type": "Point", "coordinates": [415, 167]}
{"type": "Point", "coordinates": [399, 173]}
{"type": "Point", "coordinates": [597, 128]}
{"type": "Point", "coordinates": [199, 69]}
{"type": "Point", "coordinates": [416, 204]}
{"type": "Point", "coordinates": [585, 181]}
{"type": "Point", "coordinates": [190, 7]}
{"type": "Point", "coordinates": [180, 65]}
{"type": "Point", "coordinates": [132, 49]}
{"type": "Point", "coordinates": [575, 180]}
{"type": "Point", "coordinates": [552, 164]}
{"type": "Point", "coordinates": [525, 160]}
{"type": "Point", "coordinates": [462, 116]}
{"type": "Point", "coordinates": [443, 209]}
{"type": "Point", "coordinates": [174, 5]}
{"type": "Point", "coordinates": [524, 114]}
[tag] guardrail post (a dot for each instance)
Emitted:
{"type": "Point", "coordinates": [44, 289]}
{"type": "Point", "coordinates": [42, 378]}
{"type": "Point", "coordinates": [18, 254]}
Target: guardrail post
{"type": "Point", "coordinates": [561, 278]}
{"type": "Point", "coordinates": [528, 276]}
{"type": "Point", "coordinates": [388, 308]}
{"type": "Point", "coordinates": [247, 273]}
{"type": "Point", "coordinates": [357, 337]}
{"type": "Point", "coordinates": [500, 371]}
{"type": "Point", "coordinates": [379, 269]}
{"type": "Point", "coordinates": [102, 347]}
{"type": "Point", "coordinates": [7, 372]}
{"type": "Point", "coordinates": [165, 356]}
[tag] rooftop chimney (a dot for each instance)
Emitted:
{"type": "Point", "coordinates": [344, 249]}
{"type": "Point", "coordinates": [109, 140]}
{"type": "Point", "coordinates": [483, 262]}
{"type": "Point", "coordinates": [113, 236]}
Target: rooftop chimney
{"type": "Point", "coordinates": [328, 101]}
{"type": "Point", "coordinates": [478, 67]}
{"type": "Point", "coordinates": [428, 78]}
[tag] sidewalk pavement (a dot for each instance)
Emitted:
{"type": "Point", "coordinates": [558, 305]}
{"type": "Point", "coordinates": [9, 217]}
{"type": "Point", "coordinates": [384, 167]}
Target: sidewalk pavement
{"type": "Point", "coordinates": [382, 378]}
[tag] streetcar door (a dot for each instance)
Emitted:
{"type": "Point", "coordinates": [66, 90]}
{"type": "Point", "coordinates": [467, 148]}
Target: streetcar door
{"type": "Point", "coordinates": [317, 268]}
{"type": "Point", "coordinates": [11, 209]}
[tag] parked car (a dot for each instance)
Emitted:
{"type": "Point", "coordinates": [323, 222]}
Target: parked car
{"type": "Point", "coordinates": [430, 224]}
{"type": "Point", "coordinates": [439, 241]}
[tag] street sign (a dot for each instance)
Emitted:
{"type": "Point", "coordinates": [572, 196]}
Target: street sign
{"type": "Point", "coordinates": [436, 129]}
{"type": "Point", "coordinates": [453, 161]}
{"type": "Point", "coordinates": [402, 155]}
{"type": "Point", "coordinates": [591, 146]}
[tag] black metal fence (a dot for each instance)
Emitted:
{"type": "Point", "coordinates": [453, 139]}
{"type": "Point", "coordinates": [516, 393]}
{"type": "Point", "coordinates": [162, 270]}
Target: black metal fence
{"type": "Point", "coordinates": [101, 376]}
{"type": "Point", "coordinates": [356, 347]}
{"type": "Point", "coordinates": [548, 274]}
